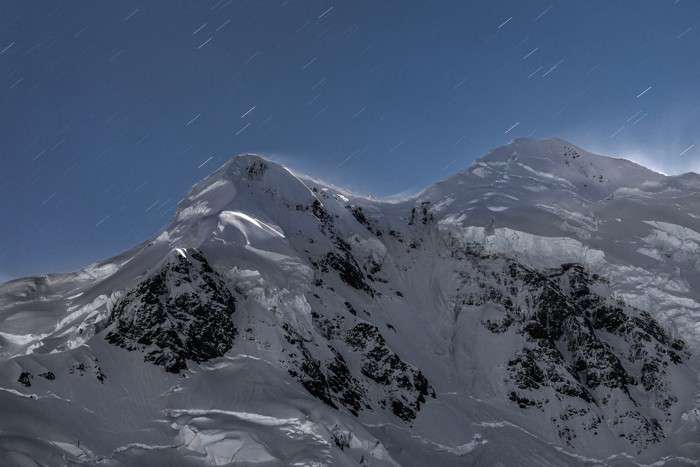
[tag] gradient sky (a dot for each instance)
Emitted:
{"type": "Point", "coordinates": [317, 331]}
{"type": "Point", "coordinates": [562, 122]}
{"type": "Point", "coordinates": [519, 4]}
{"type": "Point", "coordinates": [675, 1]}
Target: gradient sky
{"type": "Point", "coordinates": [112, 110]}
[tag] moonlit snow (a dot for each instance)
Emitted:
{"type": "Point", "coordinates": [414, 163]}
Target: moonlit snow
{"type": "Point", "coordinates": [539, 308]}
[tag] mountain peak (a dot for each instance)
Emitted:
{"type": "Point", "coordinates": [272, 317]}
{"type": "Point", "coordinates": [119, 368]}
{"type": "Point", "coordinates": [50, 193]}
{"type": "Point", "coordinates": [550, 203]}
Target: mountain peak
{"type": "Point", "coordinates": [527, 148]}
{"type": "Point", "coordinates": [278, 305]}
{"type": "Point", "coordinates": [246, 160]}
{"type": "Point", "coordinates": [247, 178]}
{"type": "Point", "coordinates": [554, 148]}
{"type": "Point", "coordinates": [556, 161]}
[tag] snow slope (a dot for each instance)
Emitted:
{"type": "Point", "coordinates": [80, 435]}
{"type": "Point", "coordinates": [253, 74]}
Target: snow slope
{"type": "Point", "coordinates": [541, 307]}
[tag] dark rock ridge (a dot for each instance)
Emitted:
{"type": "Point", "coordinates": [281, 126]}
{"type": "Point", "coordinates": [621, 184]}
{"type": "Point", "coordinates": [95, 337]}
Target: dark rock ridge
{"type": "Point", "coordinates": [586, 354]}
{"type": "Point", "coordinates": [25, 379]}
{"type": "Point", "coordinates": [384, 380]}
{"type": "Point", "coordinates": [407, 386]}
{"type": "Point", "coordinates": [182, 312]}
{"type": "Point", "coordinates": [349, 363]}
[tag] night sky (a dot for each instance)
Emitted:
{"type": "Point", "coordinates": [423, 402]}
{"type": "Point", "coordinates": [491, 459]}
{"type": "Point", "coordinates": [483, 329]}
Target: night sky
{"type": "Point", "coordinates": [112, 110]}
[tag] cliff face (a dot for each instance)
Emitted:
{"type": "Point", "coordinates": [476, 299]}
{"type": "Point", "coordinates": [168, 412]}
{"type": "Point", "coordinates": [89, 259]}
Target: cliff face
{"type": "Point", "coordinates": [181, 312]}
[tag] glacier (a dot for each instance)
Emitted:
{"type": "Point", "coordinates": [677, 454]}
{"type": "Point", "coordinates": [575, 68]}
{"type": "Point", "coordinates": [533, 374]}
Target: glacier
{"type": "Point", "coordinates": [539, 308]}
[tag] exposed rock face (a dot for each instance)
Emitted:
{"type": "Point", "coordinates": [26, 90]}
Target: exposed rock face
{"type": "Point", "coordinates": [587, 358]}
{"type": "Point", "coordinates": [328, 379]}
{"type": "Point", "coordinates": [377, 378]}
{"type": "Point", "coordinates": [25, 379]}
{"type": "Point", "coordinates": [182, 312]}
{"type": "Point", "coordinates": [406, 387]}
{"type": "Point", "coordinates": [48, 375]}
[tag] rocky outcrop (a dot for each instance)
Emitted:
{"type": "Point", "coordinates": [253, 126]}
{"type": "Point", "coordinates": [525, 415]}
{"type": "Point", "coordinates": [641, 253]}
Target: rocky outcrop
{"type": "Point", "coordinates": [181, 312]}
{"type": "Point", "coordinates": [371, 377]}
{"type": "Point", "coordinates": [587, 358]}
{"type": "Point", "coordinates": [406, 386]}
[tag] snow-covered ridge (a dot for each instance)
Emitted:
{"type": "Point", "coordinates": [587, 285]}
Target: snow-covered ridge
{"type": "Point", "coordinates": [551, 289]}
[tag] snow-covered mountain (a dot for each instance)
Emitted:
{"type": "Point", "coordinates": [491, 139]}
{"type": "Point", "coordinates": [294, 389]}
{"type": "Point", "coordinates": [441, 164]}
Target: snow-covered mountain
{"type": "Point", "coordinates": [541, 307]}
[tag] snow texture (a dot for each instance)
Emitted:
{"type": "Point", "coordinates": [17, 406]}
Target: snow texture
{"type": "Point", "coordinates": [541, 307]}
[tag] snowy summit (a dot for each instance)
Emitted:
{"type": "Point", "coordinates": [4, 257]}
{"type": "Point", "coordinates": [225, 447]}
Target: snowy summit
{"type": "Point", "coordinates": [541, 307]}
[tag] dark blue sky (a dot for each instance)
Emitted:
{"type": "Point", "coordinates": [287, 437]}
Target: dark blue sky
{"type": "Point", "coordinates": [110, 108]}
